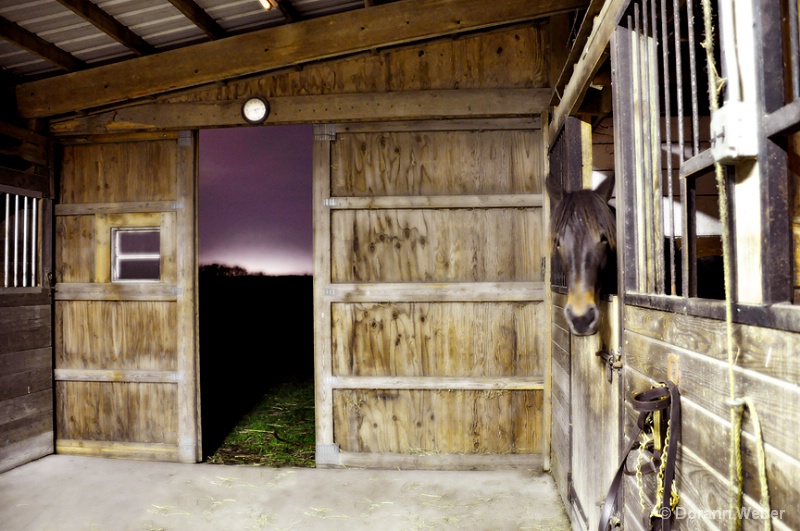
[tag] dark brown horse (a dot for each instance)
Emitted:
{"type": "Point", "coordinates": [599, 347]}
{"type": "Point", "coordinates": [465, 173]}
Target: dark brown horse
{"type": "Point", "coordinates": [583, 232]}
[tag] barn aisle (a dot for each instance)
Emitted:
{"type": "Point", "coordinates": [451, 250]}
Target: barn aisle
{"type": "Point", "coordinates": [69, 493]}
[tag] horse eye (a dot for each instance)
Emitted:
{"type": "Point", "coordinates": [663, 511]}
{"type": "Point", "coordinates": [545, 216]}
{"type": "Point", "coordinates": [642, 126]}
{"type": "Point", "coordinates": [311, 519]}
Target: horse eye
{"type": "Point", "coordinates": [558, 243]}
{"type": "Point", "coordinates": [603, 239]}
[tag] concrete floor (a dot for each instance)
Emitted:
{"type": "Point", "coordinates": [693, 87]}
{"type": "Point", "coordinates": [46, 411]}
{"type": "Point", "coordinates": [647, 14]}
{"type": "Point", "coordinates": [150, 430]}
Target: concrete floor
{"type": "Point", "coordinates": [67, 493]}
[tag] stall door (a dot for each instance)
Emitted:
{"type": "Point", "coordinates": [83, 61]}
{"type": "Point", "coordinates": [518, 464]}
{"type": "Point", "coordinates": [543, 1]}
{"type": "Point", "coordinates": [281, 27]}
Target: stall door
{"type": "Point", "coordinates": [126, 374]}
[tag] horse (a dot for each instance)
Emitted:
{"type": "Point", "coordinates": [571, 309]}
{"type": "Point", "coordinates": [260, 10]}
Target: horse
{"type": "Point", "coordinates": [583, 235]}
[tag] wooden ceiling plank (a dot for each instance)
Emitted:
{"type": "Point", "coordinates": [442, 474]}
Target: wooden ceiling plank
{"type": "Point", "coordinates": [109, 25]}
{"type": "Point", "coordinates": [31, 42]}
{"type": "Point", "coordinates": [273, 48]}
{"type": "Point", "coordinates": [200, 18]}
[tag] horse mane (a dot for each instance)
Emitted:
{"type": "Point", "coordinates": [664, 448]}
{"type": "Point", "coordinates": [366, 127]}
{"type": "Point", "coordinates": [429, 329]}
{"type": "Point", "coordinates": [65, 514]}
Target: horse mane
{"type": "Point", "coordinates": [586, 209]}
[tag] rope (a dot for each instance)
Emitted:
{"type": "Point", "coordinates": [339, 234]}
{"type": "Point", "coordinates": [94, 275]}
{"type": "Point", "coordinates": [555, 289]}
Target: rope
{"type": "Point", "coordinates": [715, 84]}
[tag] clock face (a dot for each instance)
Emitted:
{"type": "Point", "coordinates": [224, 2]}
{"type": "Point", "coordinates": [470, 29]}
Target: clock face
{"type": "Point", "coordinates": [255, 110]}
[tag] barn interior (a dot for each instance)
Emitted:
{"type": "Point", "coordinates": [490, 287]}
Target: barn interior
{"type": "Point", "coordinates": [440, 324]}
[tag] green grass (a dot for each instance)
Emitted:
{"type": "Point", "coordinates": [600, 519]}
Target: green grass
{"type": "Point", "coordinates": [278, 432]}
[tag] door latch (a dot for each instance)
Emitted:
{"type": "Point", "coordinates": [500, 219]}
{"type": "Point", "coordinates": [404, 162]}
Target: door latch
{"type": "Point", "coordinates": [612, 361]}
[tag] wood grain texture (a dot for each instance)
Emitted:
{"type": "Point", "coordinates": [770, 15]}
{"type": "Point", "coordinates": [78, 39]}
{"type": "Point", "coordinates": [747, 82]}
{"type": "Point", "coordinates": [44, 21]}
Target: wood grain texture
{"type": "Point", "coordinates": [117, 412]}
{"type": "Point", "coordinates": [469, 422]}
{"type": "Point", "coordinates": [437, 245]}
{"type": "Point", "coordinates": [432, 163]}
{"type": "Point", "coordinates": [119, 172]}
{"type": "Point", "coordinates": [116, 335]}
{"type": "Point", "coordinates": [438, 339]}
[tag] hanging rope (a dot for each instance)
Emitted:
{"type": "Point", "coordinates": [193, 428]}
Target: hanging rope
{"type": "Point", "coordinates": [737, 405]}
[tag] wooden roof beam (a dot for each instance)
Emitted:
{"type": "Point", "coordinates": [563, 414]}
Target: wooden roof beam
{"type": "Point", "coordinates": [274, 48]}
{"type": "Point", "coordinates": [200, 18]}
{"type": "Point", "coordinates": [109, 25]}
{"type": "Point", "coordinates": [16, 34]}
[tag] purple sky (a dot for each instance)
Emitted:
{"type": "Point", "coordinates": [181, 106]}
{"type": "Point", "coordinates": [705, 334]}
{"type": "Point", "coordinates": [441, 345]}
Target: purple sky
{"type": "Point", "coordinates": [255, 198]}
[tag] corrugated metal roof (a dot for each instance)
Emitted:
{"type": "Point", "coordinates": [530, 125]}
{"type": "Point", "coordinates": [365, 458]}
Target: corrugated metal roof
{"type": "Point", "coordinates": [158, 22]}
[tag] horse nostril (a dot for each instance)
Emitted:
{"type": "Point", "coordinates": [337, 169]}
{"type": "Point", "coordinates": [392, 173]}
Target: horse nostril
{"type": "Point", "coordinates": [585, 324]}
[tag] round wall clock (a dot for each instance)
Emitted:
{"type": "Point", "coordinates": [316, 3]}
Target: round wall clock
{"type": "Point", "coordinates": [255, 110]}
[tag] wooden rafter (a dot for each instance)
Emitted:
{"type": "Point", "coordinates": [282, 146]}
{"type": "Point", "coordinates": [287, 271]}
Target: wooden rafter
{"type": "Point", "coordinates": [200, 18]}
{"type": "Point", "coordinates": [273, 48]}
{"type": "Point", "coordinates": [109, 25]}
{"type": "Point", "coordinates": [48, 51]}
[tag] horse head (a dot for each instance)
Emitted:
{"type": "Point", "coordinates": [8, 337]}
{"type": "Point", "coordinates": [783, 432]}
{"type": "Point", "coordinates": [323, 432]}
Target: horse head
{"type": "Point", "coordinates": [583, 234]}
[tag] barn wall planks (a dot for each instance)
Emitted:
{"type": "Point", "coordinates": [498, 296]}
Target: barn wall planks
{"type": "Point", "coordinates": [414, 373]}
{"type": "Point", "coordinates": [509, 58]}
{"type": "Point", "coordinates": [26, 355]}
{"type": "Point", "coordinates": [26, 382]}
{"type": "Point", "coordinates": [125, 353]}
{"type": "Point", "coordinates": [661, 345]}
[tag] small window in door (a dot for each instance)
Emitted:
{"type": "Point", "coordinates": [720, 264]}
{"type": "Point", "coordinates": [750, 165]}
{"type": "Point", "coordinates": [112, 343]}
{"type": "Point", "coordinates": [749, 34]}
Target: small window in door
{"type": "Point", "coordinates": [136, 254]}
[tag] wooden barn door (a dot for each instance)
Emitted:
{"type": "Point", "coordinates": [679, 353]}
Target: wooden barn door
{"type": "Point", "coordinates": [429, 295]}
{"type": "Point", "coordinates": [126, 374]}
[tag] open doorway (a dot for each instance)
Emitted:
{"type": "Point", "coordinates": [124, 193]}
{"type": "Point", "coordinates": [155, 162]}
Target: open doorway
{"type": "Point", "coordinates": [255, 279]}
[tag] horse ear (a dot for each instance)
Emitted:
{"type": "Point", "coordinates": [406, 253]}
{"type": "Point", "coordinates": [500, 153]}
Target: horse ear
{"type": "Point", "coordinates": [606, 188]}
{"type": "Point", "coordinates": [554, 189]}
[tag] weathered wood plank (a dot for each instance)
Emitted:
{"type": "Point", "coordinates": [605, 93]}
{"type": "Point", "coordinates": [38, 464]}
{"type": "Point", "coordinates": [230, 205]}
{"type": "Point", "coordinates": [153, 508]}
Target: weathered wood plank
{"type": "Point", "coordinates": [469, 422]}
{"type": "Point", "coordinates": [437, 163]}
{"type": "Point", "coordinates": [465, 340]}
{"type": "Point", "coordinates": [119, 172]}
{"type": "Point", "coordinates": [763, 350]}
{"type": "Point", "coordinates": [431, 383]}
{"type": "Point", "coordinates": [437, 292]}
{"type": "Point", "coordinates": [322, 108]}
{"type": "Point", "coordinates": [24, 328]}
{"type": "Point", "coordinates": [136, 335]}
{"type": "Point", "coordinates": [84, 209]}
{"type": "Point", "coordinates": [94, 291]}
{"type": "Point", "coordinates": [436, 245]}
{"type": "Point", "coordinates": [22, 452]}
{"type": "Point", "coordinates": [595, 51]}
{"type": "Point", "coordinates": [118, 450]}
{"type": "Point", "coordinates": [109, 412]}
{"type": "Point", "coordinates": [298, 43]}
{"type": "Point", "coordinates": [105, 375]}
{"type": "Point", "coordinates": [437, 201]}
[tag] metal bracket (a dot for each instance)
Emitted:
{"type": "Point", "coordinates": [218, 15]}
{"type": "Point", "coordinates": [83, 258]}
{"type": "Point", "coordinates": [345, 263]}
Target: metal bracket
{"type": "Point", "coordinates": [612, 361]}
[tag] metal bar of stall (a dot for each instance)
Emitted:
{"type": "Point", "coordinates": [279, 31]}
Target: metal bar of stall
{"type": "Point", "coordinates": [16, 240]}
{"type": "Point", "coordinates": [693, 79]}
{"type": "Point", "coordinates": [34, 237]}
{"type": "Point", "coordinates": [655, 147]}
{"type": "Point", "coordinates": [794, 49]}
{"type": "Point", "coordinates": [643, 272]}
{"type": "Point", "coordinates": [24, 241]}
{"type": "Point", "coordinates": [681, 137]}
{"type": "Point", "coordinates": [642, 42]}
{"type": "Point", "coordinates": [665, 64]}
{"type": "Point", "coordinates": [7, 226]}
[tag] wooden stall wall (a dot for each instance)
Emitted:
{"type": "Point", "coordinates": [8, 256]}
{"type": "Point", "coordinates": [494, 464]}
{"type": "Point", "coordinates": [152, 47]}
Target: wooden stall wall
{"type": "Point", "coordinates": [429, 294]}
{"type": "Point", "coordinates": [692, 352]}
{"type": "Point", "coordinates": [26, 355]}
{"type": "Point", "coordinates": [125, 352]}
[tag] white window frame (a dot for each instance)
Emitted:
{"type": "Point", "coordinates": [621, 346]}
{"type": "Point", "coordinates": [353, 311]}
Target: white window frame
{"type": "Point", "coordinates": [118, 257]}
